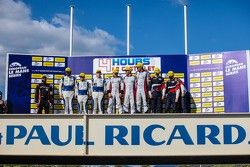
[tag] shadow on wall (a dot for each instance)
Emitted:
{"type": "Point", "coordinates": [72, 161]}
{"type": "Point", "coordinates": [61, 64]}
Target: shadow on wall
{"type": "Point", "coordinates": [192, 104]}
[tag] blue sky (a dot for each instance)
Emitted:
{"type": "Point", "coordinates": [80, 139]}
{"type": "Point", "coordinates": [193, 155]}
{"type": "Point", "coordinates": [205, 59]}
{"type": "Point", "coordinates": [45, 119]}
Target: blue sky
{"type": "Point", "coordinates": [157, 25]}
{"type": "Point", "coordinates": [42, 27]}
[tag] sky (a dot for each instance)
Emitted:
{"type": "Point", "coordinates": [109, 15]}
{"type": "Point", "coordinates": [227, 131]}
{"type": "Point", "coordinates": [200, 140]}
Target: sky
{"type": "Point", "coordinates": [42, 26]}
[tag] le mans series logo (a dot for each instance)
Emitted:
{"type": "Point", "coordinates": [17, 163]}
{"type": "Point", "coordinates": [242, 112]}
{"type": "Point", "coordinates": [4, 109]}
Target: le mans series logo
{"type": "Point", "coordinates": [106, 65]}
{"type": "Point", "coordinates": [16, 70]}
{"type": "Point", "coordinates": [233, 67]}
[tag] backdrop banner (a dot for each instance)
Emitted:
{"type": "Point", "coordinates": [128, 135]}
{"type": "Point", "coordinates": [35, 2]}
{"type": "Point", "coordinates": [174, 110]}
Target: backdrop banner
{"type": "Point", "coordinates": [24, 73]}
{"type": "Point", "coordinates": [218, 82]}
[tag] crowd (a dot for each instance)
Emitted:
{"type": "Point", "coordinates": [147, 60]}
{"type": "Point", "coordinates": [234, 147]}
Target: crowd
{"type": "Point", "coordinates": [128, 94]}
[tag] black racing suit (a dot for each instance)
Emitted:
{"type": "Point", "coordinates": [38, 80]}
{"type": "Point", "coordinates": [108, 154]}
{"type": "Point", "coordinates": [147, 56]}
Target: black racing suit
{"type": "Point", "coordinates": [43, 97]}
{"type": "Point", "coordinates": [155, 86]}
{"type": "Point", "coordinates": [173, 89]}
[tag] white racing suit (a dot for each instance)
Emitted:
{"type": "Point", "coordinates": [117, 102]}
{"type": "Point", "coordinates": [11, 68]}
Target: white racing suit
{"type": "Point", "coordinates": [141, 91]}
{"type": "Point", "coordinates": [98, 89]}
{"type": "Point", "coordinates": [115, 87]}
{"type": "Point", "coordinates": [82, 92]}
{"type": "Point", "coordinates": [67, 89]}
{"type": "Point", "coordinates": [129, 93]}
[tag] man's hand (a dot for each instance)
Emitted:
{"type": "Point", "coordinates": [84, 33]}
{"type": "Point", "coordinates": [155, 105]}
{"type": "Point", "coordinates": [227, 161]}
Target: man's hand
{"type": "Point", "coordinates": [182, 94]}
{"type": "Point", "coordinates": [61, 96]}
{"type": "Point", "coordinates": [162, 97]}
{"type": "Point", "coordinates": [176, 100]}
{"type": "Point", "coordinates": [150, 95]}
{"type": "Point", "coordinates": [120, 95]}
{"type": "Point", "coordinates": [37, 104]}
{"type": "Point", "coordinates": [110, 95]}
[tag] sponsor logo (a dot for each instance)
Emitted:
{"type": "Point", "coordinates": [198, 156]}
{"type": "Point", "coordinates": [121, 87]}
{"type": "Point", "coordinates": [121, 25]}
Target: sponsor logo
{"type": "Point", "coordinates": [48, 59]}
{"type": "Point", "coordinates": [59, 64]}
{"type": "Point", "coordinates": [16, 70]}
{"type": "Point", "coordinates": [36, 81]}
{"type": "Point", "coordinates": [19, 133]}
{"type": "Point", "coordinates": [124, 135]}
{"type": "Point", "coordinates": [206, 61]}
{"type": "Point", "coordinates": [207, 99]}
{"type": "Point", "coordinates": [217, 73]}
{"type": "Point", "coordinates": [206, 79]}
{"type": "Point", "coordinates": [216, 56]}
{"type": "Point", "coordinates": [233, 67]}
{"type": "Point", "coordinates": [130, 61]}
{"type": "Point", "coordinates": [37, 63]}
{"type": "Point", "coordinates": [218, 104]}
{"type": "Point", "coordinates": [207, 109]}
{"type": "Point", "coordinates": [196, 94]}
{"type": "Point", "coordinates": [194, 75]}
{"type": "Point", "coordinates": [218, 93]}
{"type": "Point", "coordinates": [195, 85]}
{"type": "Point", "coordinates": [119, 135]}
{"type": "Point", "coordinates": [194, 57]}
{"type": "Point", "coordinates": [106, 65]}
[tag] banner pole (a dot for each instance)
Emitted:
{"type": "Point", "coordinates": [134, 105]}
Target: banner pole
{"type": "Point", "coordinates": [71, 30]}
{"type": "Point", "coordinates": [185, 30]}
{"type": "Point", "coordinates": [128, 29]}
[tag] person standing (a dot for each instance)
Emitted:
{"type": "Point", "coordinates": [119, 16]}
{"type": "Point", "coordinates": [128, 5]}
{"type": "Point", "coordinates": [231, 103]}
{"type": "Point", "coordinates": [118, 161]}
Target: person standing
{"type": "Point", "coordinates": [141, 88]}
{"type": "Point", "coordinates": [129, 91]}
{"type": "Point", "coordinates": [115, 91]}
{"type": "Point", "coordinates": [156, 86]}
{"type": "Point", "coordinates": [82, 93]}
{"type": "Point", "coordinates": [67, 90]}
{"type": "Point", "coordinates": [98, 89]}
{"type": "Point", "coordinates": [43, 96]}
{"type": "Point", "coordinates": [173, 92]}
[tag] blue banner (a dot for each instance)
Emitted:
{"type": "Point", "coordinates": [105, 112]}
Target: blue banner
{"type": "Point", "coordinates": [235, 79]}
{"type": "Point", "coordinates": [24, 73]}
{"type": "Point", "coordinates": [218, 82]}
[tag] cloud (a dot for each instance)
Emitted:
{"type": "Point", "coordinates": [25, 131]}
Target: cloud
{"type": "Point", "coordinates": [21, 34]}
{"type": "Point", "coordinates": [180, 2]}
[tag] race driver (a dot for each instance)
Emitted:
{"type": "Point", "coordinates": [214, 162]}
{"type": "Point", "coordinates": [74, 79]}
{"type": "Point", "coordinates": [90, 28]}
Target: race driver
{"type": "Point", "coordinates": [173, 92]}
{"type": "Point", "coordinates": [141, 88]}
{"type": "Point", "coordinates": [43, 96]}
{"type": "Point", "coordinates": [67, 90]}
{"type": "Point", "coordinates": [98, 89]}
{"type": "Point", "coordinates": [82, 93]}
{"type": "Point", "coordinates": [115, 91]}
{"type": "Point", "coordinates": [156, 86]}
{"type": "Point", "coordinates": [129, 91]}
